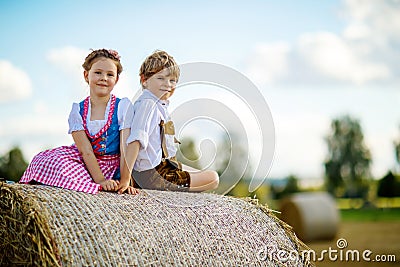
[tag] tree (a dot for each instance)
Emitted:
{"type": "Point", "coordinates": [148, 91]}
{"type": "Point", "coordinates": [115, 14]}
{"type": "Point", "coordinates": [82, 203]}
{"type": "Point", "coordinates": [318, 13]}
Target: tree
{"type": "Point", "coordinates": [187, 153]}
{"type": "Point", "coordinates": [388, 186]}
{"type": "Point", "coordinates": [291, 186]}
{"type": "Point", "coordinates": [13, 165]}
{"type": "Point", "coordinates": [397, 151]}
{"type": "Point", "coordinates": [347, 167]}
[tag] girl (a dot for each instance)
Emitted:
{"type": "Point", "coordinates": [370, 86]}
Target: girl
{"type": "Point", "coordinates": [151, 141]}
{"type": "Point", "coordinates": [92, 163]}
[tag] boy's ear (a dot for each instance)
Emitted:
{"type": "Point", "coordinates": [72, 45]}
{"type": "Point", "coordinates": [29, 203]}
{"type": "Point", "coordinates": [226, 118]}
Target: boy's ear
{"type": "Point", "coordinates": [116, 79]}
{"type": "Point", "coordinates": [86, 76]}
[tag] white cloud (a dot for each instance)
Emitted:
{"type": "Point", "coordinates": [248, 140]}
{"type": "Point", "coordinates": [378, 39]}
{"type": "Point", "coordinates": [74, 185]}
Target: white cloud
{"type": "Point", "coordinates": [365, 52]}
{"type": "Point", "coordinates": [269, 62]}
{"type": "Point", "coordinates": [14, 83]}
{"type": "Point", "coordinates": [356, 31]}
{"type": "Point", "coordinates": [70, 59]}
{"type": "Point", "coordinates": [375, 21]}
{"type": "Point", "coordinates": [40, 107]}
{"type": "Point", "coordinates": [331, 56]}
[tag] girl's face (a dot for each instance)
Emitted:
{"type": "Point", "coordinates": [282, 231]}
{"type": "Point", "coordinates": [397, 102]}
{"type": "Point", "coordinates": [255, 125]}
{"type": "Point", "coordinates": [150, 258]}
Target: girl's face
{"type": "Point", "coordinates": [101, 77]}
{"type": "Point", "coordinates": [161, 84]}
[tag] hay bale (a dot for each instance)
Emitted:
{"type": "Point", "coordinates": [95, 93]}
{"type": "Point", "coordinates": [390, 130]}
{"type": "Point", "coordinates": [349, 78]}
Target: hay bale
{"type": "Point", "coordinates": [154, 228]}
{"type": "Point", "coordinates": [314, 216]}
{"type": "Point", "coordinates": [24, 231]}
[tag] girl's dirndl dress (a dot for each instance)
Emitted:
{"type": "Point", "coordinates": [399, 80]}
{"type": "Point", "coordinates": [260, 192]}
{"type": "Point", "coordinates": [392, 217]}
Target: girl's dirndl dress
{"type": "Point", "coordinates": [64, 166]}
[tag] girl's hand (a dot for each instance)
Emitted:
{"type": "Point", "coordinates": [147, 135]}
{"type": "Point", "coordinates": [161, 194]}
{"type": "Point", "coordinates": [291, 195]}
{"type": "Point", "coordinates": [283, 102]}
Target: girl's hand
{"type": "Point", "coordinates": [109, 185]}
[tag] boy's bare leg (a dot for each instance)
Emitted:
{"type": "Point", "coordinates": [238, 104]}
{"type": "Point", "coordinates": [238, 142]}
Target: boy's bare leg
{"type": "Point", "coordinates": [201, 180]}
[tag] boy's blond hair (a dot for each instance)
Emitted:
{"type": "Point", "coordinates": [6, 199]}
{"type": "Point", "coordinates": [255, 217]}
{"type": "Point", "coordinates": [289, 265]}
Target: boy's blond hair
{"type": "Point", "coordinates": [155, 63]}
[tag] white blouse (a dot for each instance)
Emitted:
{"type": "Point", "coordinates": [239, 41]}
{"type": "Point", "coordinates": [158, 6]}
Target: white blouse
{"type": "Point", "coordinates": [148, 112]}
{"type": "Point", "coordinates": [124, 117]}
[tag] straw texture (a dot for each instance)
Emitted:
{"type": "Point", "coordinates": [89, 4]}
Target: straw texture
{"type": "Point", "coordinates": [26, 239]}
{"type": "Point", "coordinates": [154, 228]}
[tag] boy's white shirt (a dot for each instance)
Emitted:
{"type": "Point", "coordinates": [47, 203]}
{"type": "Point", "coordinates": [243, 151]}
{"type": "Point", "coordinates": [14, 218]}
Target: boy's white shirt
{"type": "Point", "coordinates": [148, 111]}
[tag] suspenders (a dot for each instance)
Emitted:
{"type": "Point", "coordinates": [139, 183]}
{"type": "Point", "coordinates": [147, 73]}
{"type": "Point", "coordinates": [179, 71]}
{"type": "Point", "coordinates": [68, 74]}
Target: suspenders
{"type": "Point", "coordinates": [168, 175]}
{"type": "Point", "coordinates": [163, 142]}
{"type": "Point", "coordinates": [166, 128]}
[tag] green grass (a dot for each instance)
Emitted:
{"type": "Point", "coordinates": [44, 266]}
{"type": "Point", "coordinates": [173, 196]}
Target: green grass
{"type": "Point", "coordinates": [370, 214]}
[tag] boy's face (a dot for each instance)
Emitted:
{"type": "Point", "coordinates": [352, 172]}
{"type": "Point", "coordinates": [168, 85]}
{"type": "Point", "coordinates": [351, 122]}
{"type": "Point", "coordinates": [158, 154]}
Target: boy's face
{"type": "Point", "coordinates": [161, 84]}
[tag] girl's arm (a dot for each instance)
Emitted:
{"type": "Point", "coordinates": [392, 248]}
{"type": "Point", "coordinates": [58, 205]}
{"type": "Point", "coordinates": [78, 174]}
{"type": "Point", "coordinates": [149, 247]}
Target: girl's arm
{"type": "Point", "coordinates": [86, 150]}
{"type": "Point", "coordinates": [138, 133]}
{"type": "Point", "coordinates": [129, 155]}
{"type": "Point", "coordinates": [125, 177]}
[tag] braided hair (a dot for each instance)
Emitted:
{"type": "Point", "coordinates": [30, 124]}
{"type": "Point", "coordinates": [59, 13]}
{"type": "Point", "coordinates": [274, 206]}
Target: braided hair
{"type": "Point", "coordinates": [106, 53]}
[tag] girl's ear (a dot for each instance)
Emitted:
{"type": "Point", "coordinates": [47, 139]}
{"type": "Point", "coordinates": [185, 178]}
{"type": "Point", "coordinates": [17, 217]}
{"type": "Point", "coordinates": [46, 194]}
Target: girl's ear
{"type": "Point", "coordinates": [86, 76]}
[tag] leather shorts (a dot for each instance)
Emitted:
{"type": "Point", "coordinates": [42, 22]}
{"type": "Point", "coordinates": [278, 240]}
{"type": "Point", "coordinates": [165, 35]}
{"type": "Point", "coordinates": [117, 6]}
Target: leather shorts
{"type": "Point", "coordinates": [168, 176]}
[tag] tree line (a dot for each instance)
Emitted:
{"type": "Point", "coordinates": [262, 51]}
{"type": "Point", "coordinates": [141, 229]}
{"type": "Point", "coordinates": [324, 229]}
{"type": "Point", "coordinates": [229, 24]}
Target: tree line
{"type": "Point", "coordinates": [347, 164]}
{"type": "Point", "coordinates": [347, 167]}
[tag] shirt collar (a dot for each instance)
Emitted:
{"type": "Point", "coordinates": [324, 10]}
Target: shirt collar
{"type": "Point", "coordinates": [149, 95]}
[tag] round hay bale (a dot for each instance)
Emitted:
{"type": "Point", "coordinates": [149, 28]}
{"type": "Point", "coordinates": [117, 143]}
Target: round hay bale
{"type": "Point", "coordinates": [313, 216]}
{"type": "Point", "coordinates": [154, 228]}
{"type": "Point", "coordinates": [24, 231]}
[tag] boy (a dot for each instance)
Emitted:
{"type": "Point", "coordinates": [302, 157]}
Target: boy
{"type": "Point", "coordinates": [151, 140]}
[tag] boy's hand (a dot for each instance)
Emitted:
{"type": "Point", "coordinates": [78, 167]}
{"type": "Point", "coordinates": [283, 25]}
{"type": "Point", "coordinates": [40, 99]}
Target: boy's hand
{"type": "Point", "coordinates": [129, 189]}
{"type": "Point", "coordinates": [109, 185]}
{"type": "Point", "coordinates": [133, 191]}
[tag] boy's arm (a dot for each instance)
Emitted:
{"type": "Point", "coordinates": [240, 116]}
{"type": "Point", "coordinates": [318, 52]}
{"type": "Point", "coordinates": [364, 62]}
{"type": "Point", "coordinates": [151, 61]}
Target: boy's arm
{"type": "Point", "coordinates": [129, 153]}
{"type": "Point", "coordinates": [86, 150]}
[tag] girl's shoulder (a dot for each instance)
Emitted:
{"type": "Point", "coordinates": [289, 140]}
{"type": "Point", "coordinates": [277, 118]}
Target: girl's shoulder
{"type": "Point", "coordinates": [75, 109]}
{"type": "Point", "coordinates": [124, 104]}
{"type": "Point", "coordinates": [124, 101]}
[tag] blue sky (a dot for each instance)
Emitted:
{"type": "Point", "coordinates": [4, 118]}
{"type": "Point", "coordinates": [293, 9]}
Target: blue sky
{"type": "Point", "coordinates": [309, 59]}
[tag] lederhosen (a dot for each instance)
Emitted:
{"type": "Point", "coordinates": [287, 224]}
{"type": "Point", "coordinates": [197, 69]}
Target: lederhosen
{"type": "Point", "coordinates": [168, 175]}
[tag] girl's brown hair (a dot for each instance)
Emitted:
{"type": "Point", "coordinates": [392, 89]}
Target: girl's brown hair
{"type": "Point", "coordinates": [107, 53]}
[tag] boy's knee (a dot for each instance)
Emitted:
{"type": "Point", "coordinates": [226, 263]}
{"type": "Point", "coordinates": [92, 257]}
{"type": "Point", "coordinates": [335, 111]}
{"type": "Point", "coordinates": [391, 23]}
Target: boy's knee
{"type": "Point", "coordinates": [214, 179]}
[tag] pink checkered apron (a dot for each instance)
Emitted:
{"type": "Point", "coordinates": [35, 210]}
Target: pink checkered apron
{"type": "Point", "coordinates": [64, 166]}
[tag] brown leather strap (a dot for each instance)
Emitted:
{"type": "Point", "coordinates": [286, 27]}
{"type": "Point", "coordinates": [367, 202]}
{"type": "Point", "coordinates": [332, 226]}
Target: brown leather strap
{"type": "Point", "coordinates": [163, 142]}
